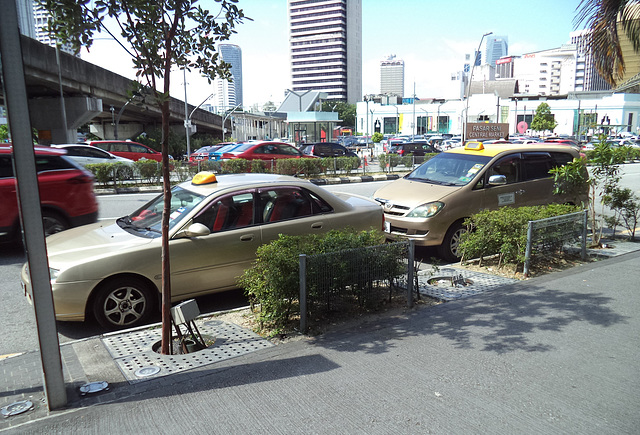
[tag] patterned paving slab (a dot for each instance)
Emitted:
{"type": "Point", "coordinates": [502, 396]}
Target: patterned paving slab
{"type": "Point", "coordinates": [136, 359]}
{"type": "Point", "coordinates": [468, 283]}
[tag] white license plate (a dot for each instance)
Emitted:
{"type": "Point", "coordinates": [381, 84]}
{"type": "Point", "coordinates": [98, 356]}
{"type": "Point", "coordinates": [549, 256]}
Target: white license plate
{"type": "Point", "coordinates": [387, 227]}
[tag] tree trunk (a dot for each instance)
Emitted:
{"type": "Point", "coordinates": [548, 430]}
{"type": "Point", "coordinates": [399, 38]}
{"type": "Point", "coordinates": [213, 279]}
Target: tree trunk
{"type": "Point", "coordinates": [166, 265]}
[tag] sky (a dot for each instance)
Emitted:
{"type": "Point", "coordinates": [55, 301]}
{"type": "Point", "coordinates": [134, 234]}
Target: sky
{"type": "Point", "coordinates": [431, 36]}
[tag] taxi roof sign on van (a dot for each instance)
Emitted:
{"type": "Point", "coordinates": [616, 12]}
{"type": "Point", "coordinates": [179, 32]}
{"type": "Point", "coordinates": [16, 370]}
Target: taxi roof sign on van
{"type": "Point", "coordinates": [474, 145]}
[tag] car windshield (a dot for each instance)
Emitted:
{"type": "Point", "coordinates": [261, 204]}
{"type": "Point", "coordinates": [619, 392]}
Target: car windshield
{"type": "Point", "coordinates": [242, 148]}
{"type": "Point", "coordinates": [450, 169]}
{"type": "Point", "coordinates": [227, 148]}
{"type": "Point", "coordinates": [147, 220]}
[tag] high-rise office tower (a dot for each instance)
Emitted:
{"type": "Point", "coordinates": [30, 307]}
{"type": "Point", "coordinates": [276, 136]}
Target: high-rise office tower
{"type": "Point", "coordinates": [392, 76]}
{"type": "Point", "coordinates": [326, 47]}
{"type": "Point", "coordinates": [40, 17]}
{"type": "Point", "coordinates": [495, 48]}
{"type": "Point", "coordinates": [587, 77]}
{"type": "Point", "coordinates": [229, 94]}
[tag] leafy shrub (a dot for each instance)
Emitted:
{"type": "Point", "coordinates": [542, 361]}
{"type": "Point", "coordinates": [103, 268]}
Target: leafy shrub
{"type": "Point", "coordinates": [504, 231]}
{"type": "Point", "coordinates": [259, 166]}
{"type": "Point", "coordinates": [150, 171]}
{"type": "Point", "coordinates": [272, 284]}
{"type": "Point", "coordinates": [236, 166]}
{"type": "Point", "coordinates": [102, 172]}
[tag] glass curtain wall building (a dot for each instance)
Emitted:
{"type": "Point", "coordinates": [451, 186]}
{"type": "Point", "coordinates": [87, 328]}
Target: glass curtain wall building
{"type": "Point", "coordinates": [228, 94]}
{"type": "Point", "coordinates": [325, 38]}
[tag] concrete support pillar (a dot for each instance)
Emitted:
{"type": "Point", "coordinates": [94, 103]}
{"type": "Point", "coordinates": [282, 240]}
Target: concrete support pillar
{"type": "Point", "coordinates": [45, 117]}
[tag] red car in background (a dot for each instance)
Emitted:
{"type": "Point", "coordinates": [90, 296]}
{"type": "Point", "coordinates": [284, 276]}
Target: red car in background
{"type": "Point", "coordinates": [265, 150]}
{"type": "Point", "coordinates": [130, 150]}
{"type": "Point", "coordinates": [66, 193]}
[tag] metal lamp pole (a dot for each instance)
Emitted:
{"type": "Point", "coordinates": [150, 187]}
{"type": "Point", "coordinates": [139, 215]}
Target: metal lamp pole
{"type": "Point", "coordinates": [466, 110]}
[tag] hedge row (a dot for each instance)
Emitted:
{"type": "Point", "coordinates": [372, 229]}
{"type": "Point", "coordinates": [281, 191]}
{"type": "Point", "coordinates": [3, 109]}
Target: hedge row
{"type": "Point", "coordinates": [504, 231]}
{"type": "Point", "coordinates": [149, 171]}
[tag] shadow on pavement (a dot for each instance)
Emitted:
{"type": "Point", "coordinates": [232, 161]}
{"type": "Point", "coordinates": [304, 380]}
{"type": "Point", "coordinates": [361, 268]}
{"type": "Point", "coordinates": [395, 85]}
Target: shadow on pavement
{"type": "Point", "coordinates": [502, 321]}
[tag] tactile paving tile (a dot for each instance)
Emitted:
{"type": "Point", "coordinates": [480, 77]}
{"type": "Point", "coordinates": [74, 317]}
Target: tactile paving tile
{"type": "Point", "coordinates": [479, 283]}
{"type": "Point", "coordinates": [134, 351]}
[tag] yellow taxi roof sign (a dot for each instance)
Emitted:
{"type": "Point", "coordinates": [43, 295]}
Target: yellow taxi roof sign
{"type": "Point", "coordinates": [474, 145]}
{"type": "Point", "coordinates": [204, 177]}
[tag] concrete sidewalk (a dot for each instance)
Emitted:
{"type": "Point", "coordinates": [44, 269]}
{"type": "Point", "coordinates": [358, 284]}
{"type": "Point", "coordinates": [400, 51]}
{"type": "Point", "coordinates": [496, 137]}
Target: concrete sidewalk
{"type": "Point", "coordinates": [555, 354]}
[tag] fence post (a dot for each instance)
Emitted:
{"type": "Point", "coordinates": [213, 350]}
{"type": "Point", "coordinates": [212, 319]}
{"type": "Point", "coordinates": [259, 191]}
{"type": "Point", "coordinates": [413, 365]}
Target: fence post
{"type": "Point", "coordinates": [303, 292]}
{"type": "Point", "coordinates": [583, 250]}
{"type": "Point", "coordinates": [410, 272]}
{"type": "Point", "coordinates": [527, 255]}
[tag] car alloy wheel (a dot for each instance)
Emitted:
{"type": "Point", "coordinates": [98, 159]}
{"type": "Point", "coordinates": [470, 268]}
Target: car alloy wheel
{"type": "Point", "coordinates": [123, 303]}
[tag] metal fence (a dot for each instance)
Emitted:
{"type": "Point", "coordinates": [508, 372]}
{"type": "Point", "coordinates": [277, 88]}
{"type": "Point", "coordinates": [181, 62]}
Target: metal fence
{"type": "Point", "coordinates": [549, 235]}
{"type": "Point", "coordinates": [353, 279]}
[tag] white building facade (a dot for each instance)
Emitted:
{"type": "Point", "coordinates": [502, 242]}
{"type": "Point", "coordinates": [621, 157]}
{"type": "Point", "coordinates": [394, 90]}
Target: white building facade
{"type": "Point", "coordinates": [392, 76]}
{"type": "Point", "coordinates": [575, 115]}
{"type": "Point", "coordinates": [548, 72]}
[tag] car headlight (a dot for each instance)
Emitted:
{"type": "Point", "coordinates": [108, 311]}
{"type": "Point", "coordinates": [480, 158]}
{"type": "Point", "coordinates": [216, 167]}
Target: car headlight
{"type": "Point", "coordinates": [53, 274]}
{"type": "Point", "coordinates": [426, 210]}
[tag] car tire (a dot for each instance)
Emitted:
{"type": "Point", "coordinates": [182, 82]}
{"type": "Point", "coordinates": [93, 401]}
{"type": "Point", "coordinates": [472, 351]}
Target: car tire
{"type": "Point", "coordinates": [449, 249]}
{"type": "Point", "coordinates": [53, 222]}
{"type": "Point", "coordinates": [123, 302]}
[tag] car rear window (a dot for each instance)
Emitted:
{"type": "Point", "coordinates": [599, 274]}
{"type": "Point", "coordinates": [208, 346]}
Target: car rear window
{"type": "Point", "coordinates": [43, 163]}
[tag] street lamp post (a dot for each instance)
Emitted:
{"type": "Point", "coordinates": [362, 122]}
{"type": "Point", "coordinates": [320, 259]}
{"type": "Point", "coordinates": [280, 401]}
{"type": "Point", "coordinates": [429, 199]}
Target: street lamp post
{"type": "Point", "coordinates": [397, 119]}
{"type": "Point", "coordinates": [366, 114]}
{"type": "Point", "coordinates": [187, 121]}
{"type": "Point", "coordinates": [115, 130]}
{"type": "Point", "coordinates": [466, 110]}
{"type": "Point", "coordinates": [224, 130]}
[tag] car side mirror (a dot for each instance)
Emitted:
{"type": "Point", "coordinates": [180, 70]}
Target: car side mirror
{"type": "Point", "coordinates": [194, 230]}
{"type": "Point", "coordinates": [497, 180]}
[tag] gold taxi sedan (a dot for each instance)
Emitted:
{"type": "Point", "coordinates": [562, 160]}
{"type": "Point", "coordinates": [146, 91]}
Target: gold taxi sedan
{"type": "Point", "coordinates": [111, 270]}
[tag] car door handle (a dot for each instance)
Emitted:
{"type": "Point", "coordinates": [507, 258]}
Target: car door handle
{"type": "Point", "coordinates": [246, 238]}
{"type": "Point", "coordinates": [316, 226]}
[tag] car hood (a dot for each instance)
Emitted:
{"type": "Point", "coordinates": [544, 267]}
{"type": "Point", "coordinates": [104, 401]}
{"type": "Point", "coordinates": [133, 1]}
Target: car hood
{"type": "Point", "coordinates": [413, 193]}
{"type": "Point", "coordinates": [81, 244]}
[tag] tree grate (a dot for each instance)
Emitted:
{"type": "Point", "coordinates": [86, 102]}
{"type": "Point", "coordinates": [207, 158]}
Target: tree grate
{"type": "Point", "coordinates": [133, 352]}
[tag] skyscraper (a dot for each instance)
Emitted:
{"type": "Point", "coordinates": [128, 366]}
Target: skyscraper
{"type": "Point", "coordinates": [587, 77]}
{"type": "Point", "coordinates": [229, 94]}
{"type": "Point", "coordinates": [495, 48]}
{"type": "Point", "coordinates": [326, 47]}
{"type": "Point", "coordinates": [392, 76]}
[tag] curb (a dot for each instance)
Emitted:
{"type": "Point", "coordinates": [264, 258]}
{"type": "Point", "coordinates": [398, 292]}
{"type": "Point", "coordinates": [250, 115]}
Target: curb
{"type": "Point", "coordinates": [348, 180]}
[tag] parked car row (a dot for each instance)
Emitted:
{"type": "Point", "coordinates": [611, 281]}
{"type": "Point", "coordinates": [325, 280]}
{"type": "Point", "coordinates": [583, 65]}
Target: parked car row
{"type": "Point", "coordinates": [110, 270]}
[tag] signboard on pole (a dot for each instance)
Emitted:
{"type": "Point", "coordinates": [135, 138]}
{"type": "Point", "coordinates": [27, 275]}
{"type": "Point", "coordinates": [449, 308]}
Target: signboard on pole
{"type": "Point", "coordinates": [483, 130]}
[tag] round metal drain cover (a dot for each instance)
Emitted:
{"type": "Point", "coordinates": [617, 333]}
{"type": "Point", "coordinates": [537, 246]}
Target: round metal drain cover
{"type": "Point", "coordinates": [147, 371]}
{"type": "Point", "coordinates": [17, 408]}
{"type": "Point", "coordinates": [94, 387]}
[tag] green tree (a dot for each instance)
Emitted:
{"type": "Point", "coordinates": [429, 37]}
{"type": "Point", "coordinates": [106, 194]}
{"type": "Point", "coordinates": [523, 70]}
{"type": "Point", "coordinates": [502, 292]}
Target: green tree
{"type": "Point", "coordinates": [4, 132]}
{"type": "Point", "coordinates": [543, 119]}
{"type": "Point", "coordinates": [269, 106]}
{"type": "Point", "coordinates": [346, 111]}
{"type": "Point", "coordinates": [377, 137]}
{"type": "Point", "coordinates": [605, 19]}
{"type": "Point", "coordinates": [160, 35]}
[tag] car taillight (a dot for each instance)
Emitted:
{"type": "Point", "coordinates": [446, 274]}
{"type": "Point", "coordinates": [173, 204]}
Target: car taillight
{"type": "Point", "coordinates": [383, 221]}
{"type": "Point", "coordinates": [400, 152]}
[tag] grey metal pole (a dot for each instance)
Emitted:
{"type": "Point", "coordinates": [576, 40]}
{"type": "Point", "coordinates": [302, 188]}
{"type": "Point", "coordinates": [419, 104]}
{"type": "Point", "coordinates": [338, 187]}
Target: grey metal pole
{"type": "Point", "coordinates": [527, 254]}
{"type": "Point", "coordinates": [410, 273]}
{"type": "Point", "coordinates": [583, 250]}
{"type": "Point", "coordinates": [29, 199]}
{"type": "Point", "coordinates": [303, 292]}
